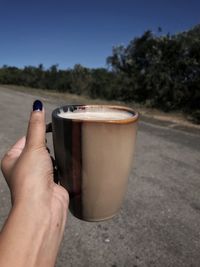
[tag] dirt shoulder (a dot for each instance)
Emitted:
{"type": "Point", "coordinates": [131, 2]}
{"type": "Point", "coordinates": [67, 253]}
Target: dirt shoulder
{"type": "Point", "coordinates": [175, 120]}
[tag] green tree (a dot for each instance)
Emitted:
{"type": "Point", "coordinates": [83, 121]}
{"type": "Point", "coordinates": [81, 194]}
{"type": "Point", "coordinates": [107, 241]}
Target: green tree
{"type": "Point", "coordinates": [80, 80]}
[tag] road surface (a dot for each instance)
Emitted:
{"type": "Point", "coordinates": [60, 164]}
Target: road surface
{"type": "Point", "coordinates": [159, 223]}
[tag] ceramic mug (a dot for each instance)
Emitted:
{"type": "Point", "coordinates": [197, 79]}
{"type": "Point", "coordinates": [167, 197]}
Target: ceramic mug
{"type": "Point", "coordinates": [94, 159]}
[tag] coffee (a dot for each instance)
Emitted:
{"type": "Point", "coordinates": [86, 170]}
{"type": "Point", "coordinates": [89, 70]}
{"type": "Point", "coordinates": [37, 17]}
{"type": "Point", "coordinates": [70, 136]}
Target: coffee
{"type": "Point", "coordinates": [95, 114]}
{"type": "Point", "coordinates": [94, 147]}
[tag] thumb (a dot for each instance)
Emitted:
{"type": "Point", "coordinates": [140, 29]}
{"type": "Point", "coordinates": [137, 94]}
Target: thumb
{"type": "Point", "coordinates": [35, 137]}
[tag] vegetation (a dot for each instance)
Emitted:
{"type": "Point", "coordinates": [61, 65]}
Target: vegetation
{"type": "Point", "coordinates": [161, 71]}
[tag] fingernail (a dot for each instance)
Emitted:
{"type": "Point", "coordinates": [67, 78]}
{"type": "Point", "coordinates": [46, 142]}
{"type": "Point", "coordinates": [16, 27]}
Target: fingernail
{"type": "Point", "coordinates": [37, 105]}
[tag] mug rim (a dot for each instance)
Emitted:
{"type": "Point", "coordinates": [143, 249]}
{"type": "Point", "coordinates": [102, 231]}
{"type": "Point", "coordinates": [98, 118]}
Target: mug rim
{"type": "Point", "coordinates": [133, 118]}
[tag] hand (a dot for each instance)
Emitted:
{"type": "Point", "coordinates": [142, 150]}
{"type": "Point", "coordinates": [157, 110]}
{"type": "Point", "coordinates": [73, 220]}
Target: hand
{"type": "Point", "coordinates": [28, 170]}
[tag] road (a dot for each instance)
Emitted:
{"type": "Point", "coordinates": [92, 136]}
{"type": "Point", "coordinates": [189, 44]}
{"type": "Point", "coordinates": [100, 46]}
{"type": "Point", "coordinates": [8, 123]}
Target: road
{"type": "Point", "coordinates": [159, 223]}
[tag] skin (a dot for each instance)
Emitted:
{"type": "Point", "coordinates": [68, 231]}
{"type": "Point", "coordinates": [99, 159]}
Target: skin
{"type": "Point", "coordinates": [33, 231]}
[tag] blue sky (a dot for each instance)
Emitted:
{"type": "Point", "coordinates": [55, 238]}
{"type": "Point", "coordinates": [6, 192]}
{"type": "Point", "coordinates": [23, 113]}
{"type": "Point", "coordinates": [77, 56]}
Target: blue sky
{"type": "Point", "coordinates": [68, 32]}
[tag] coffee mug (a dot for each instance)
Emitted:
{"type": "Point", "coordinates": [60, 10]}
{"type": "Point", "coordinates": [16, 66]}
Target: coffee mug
{"type": "Point", "coordinates": [94, 147]}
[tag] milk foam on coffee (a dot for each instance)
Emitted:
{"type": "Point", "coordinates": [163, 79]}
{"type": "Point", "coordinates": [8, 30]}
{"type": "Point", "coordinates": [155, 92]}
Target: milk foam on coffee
{"type": "Point", "coordinates": [96, 114]}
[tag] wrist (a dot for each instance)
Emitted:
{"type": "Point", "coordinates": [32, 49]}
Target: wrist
{"type": "Point", "coordinates": [32, 212]}
{"type": "Point", "coordinates": [22, 237]}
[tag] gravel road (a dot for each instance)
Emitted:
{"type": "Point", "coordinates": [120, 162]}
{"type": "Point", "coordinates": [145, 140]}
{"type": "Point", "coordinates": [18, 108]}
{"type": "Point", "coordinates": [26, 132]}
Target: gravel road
{"type": "Point", "coordinates": [159, 223]}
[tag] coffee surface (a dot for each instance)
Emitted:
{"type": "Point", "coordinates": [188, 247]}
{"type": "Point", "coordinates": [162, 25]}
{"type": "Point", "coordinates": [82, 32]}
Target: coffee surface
{"type": "Point", "coordinates": [96, 114]}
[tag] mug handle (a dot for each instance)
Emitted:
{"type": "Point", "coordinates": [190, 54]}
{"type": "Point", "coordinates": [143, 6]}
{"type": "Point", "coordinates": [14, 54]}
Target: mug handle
{"type": "Point", "coordinates": [55, 169]}
{"type": "Point", "coordinates": [49, 128]}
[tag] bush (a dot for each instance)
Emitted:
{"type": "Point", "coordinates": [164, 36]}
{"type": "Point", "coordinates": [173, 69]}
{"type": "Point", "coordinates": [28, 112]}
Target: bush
{"type": "Point", "coordinates": [158, 71]}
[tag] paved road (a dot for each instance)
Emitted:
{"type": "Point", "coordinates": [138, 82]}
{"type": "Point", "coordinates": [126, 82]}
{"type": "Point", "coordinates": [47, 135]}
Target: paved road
{"type": "Point", "coordinates": [159, 223]}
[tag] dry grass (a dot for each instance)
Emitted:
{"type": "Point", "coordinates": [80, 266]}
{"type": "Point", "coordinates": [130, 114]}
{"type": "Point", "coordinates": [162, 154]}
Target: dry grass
{"type": "Point", "coordinates": [53, 95]}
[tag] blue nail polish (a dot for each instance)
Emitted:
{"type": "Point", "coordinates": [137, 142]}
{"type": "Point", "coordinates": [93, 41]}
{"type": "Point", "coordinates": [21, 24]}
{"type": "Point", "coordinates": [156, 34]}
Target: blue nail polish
{"type": "Point", "coordinates": [37, 105]}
